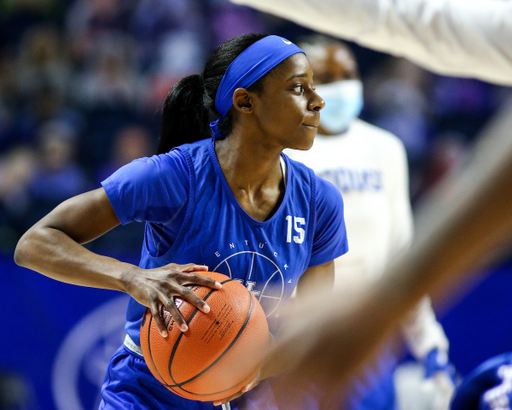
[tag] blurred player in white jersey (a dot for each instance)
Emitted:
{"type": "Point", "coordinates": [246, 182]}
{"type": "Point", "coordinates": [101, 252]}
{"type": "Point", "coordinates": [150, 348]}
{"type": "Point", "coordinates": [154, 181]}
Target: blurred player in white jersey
{"type": "Point", "coordinates": [369, 166]}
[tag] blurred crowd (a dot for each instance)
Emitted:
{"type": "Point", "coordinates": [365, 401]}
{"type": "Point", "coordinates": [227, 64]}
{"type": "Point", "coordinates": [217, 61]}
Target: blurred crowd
{"type": "Point", "coordinates": [82, 83]}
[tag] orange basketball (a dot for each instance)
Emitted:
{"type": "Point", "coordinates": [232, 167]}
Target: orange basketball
{"type": "Point", "coordinates": [219, 353]}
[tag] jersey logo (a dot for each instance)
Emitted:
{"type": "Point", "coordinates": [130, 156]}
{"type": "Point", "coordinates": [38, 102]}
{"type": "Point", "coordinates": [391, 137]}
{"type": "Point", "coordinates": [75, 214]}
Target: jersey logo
{"type": "Point", "coordinates": [286, 41]}
{"type": "Point", "coordinates": [347, 180]}
{"type": "Point", "coordinates": [246, 267]}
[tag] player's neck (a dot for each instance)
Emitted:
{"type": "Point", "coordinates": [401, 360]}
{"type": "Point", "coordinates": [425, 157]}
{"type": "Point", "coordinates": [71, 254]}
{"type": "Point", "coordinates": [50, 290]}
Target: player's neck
{"type": "Point", "coordinates": [247, 162]}
{"type": "Point", "coordinates": [254, 176]}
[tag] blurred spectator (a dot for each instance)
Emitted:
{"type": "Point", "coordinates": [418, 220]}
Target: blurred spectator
{"type": "Point", "coordinates": [230, 20]}
{"type": "Point", "coordinates": [448, 153]}
{"type": "Point", "coordinates": [17, 168]}
{"type": "Point", "coordinates": [58, 176]}
{"type": "Point", "coordinates": [188, 45]}
{"type": "Point", "coordinates": [15, 392]}
{"type": "Point", "coordinates": [110, 78]}
{"type": "Point", "coordinates": [130, 143]}
{"type": "Point", "coordinates": [17, 16]}
{"type": "Point", "coordinates": [461, 105]}
{"type": "Point", "coordinates": [42, 59]}
{"type": "Point", "coordinates": [8, 98]}
{"type": "Point", "coordinates": [95, 67]}
{"type": "Point", "coordinates": [45, 104]}
{"type": "Point", "coordinates": [89, 21]}
{"type": "Point", "coordinates": [399, 104]}
{"type": "Point", "coordinates": [109, 92]}
{"type": "Point", "coordinates": [156, 22]}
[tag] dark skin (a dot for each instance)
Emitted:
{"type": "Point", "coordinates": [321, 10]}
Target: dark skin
{"type": "Point", "coordinates": [461, 226]}
{"type": "Point", "coordinates": [284, 115]}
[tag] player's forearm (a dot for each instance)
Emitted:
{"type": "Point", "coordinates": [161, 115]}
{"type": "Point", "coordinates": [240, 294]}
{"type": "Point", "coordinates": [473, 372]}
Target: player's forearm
{"type": "Point", "coordinates": [464, 222]}
{"type": "Point", "coordinates": [342, 18]}
{"type": "Point", "coordinates": [450, 37]}
{"type": "Point", "coordinates": [461, 225]}
{"type": "Point", "coordinates": [53, 253]}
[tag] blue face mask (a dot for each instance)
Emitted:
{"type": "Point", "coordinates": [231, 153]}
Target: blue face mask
{"type": "Point", "coordinates": [343, 103]}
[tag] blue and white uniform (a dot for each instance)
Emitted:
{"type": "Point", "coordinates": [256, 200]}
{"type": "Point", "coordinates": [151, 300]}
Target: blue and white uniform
{"type": "Point", "coordinates": [369, 167]}
{"type": "Point", "coordinates": [192, 216]}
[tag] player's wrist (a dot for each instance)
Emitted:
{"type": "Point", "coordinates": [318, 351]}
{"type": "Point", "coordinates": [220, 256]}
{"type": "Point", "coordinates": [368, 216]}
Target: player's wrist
{"type": "Point", "coordinates": [127, 277]}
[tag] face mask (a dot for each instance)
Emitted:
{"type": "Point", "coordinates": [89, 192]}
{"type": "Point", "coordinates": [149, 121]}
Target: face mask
{"type": "Point", "coordinates": [343, 103]}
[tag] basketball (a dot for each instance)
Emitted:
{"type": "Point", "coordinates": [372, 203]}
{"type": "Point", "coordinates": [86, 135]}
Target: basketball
{"type": "Point", "coordinates": [220, 352]}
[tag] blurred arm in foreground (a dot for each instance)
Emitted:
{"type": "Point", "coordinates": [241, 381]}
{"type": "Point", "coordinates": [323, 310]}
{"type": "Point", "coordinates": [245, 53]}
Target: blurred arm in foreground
{"type": "Point", "coordinates": [450, 37]}
{"type": "Point", "coordinates": [460, 227]}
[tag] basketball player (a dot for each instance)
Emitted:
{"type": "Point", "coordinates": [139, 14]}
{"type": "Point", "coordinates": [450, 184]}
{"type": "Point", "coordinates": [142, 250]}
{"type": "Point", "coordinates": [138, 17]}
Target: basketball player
{"type": "Point", "coordinates": [369, 167]}
{"type": "Point", "coordinates": [464, 221]}
{"type": "Point", "coordinates": [450, 37]}
{"type": "Point", "coordinates": [231, 202]}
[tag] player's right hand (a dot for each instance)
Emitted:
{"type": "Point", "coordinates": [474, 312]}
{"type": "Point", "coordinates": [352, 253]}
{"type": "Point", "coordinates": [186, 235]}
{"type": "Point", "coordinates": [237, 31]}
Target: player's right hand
{"type": "Point", "coordinates": [159, 288]}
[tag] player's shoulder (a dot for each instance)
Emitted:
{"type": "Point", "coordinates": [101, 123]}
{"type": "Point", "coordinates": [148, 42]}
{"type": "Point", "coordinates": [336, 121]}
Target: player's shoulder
{"type": "Point", "coordinates": [323, 188]}
{"type": "Point", "coordinates": [162, 162]}
{"type": "Point", "coordinates": [155, 169]}
{"type": "Point", "coordinates": [328, 197]}
{"type": "Point", "coordinates": [297, 168]}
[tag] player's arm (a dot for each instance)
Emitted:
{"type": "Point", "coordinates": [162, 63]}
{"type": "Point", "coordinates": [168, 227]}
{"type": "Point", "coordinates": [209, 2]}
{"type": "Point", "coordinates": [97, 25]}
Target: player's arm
{"type": "Point", "coordinates": [460, 227]}
{"type": "Point", "coordinates": [53, 245]}
{"type": "Point", "coordinates": [422, 333]}
{"type": "Point", "coordinates": [54, 248]}
{"type": "Point", "coordinates": [451, 37]}
{"type": "Point", "coordinates": [316, 279]}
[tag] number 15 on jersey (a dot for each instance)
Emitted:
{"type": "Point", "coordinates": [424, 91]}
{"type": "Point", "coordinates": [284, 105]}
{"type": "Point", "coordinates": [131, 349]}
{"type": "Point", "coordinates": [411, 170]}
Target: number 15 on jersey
{"type": "Point", "coordinates": [295, 222]}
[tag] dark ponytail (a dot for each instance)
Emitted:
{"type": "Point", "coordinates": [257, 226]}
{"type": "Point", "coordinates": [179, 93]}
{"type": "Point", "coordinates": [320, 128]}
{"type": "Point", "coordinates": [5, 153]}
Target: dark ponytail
{"type": "Point", "coordinates": [184, 117]}
{"type": "Point", "coordinates": [190, 104]}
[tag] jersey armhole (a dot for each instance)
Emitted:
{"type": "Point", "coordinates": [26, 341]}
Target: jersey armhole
{"type": "Point", "coordinates": [312, 217]}
{"type": "Point", "coordinates": [167, 256]}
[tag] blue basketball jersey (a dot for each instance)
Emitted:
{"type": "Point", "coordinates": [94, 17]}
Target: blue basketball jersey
{"type": "Point", "coordinates": [187, 188]}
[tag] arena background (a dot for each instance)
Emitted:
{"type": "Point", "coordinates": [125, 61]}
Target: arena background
{"type": "Point", "coordinates": [81, 85]}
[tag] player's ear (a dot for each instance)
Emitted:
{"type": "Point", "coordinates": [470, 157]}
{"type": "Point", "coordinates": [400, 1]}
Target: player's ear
{"type": "Point", "coordinates": [242, 100]}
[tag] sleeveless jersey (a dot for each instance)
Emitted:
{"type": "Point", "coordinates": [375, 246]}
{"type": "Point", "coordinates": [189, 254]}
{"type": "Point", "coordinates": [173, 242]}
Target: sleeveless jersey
{"type": "Point", "coordinates": [267, 257]}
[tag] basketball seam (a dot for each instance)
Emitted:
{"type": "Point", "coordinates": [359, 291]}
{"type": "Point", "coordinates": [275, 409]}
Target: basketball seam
{"type": "Point", "coordinates": [149, 341]}
{"type": "Point", "coordinates": [151, 355]}
{"type": "Point", "coordinates": [221, 355]}
{"type": "Point", "coordinates": [217, 392]}
{"type": "Point", "coordinates": [222, 391]}
{"type": "Point", "coordinates": [175, 347]}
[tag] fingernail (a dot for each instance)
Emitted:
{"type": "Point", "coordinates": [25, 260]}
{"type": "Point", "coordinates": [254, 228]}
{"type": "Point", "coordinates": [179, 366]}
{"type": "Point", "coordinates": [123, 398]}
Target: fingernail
{"type": "Point", "coordinates": [184, 327]}
{"type": "Point", "coordinates": [218, 285]}
{"type": "Point", "coordinates": [164, 333]}
{"type": "Point", "coordinates": [217, 403]}
{"type": "Point", "coordinates": [206, 308]}
{"type": "Point", "coordinates": [245, 389]}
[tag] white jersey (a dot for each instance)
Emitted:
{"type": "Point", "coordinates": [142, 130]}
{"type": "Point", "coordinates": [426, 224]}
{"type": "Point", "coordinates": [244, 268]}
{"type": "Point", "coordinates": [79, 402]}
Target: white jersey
{"type": "Point", "coordinates": [452, 37]}
{"type": "Point", "coordinates": [369, 167]}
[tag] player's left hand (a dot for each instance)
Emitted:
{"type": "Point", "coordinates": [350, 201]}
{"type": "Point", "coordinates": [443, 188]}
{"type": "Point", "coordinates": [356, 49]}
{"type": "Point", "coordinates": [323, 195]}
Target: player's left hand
{"type": "Point", "coordinates": [440, 377]}
{"type": "Point", "coordinates": [265, 372]}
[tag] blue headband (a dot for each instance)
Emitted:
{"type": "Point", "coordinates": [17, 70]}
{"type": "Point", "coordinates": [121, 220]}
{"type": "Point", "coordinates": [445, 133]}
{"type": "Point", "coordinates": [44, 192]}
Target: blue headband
{"type": "Point", "coordinates": [252, 64]}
